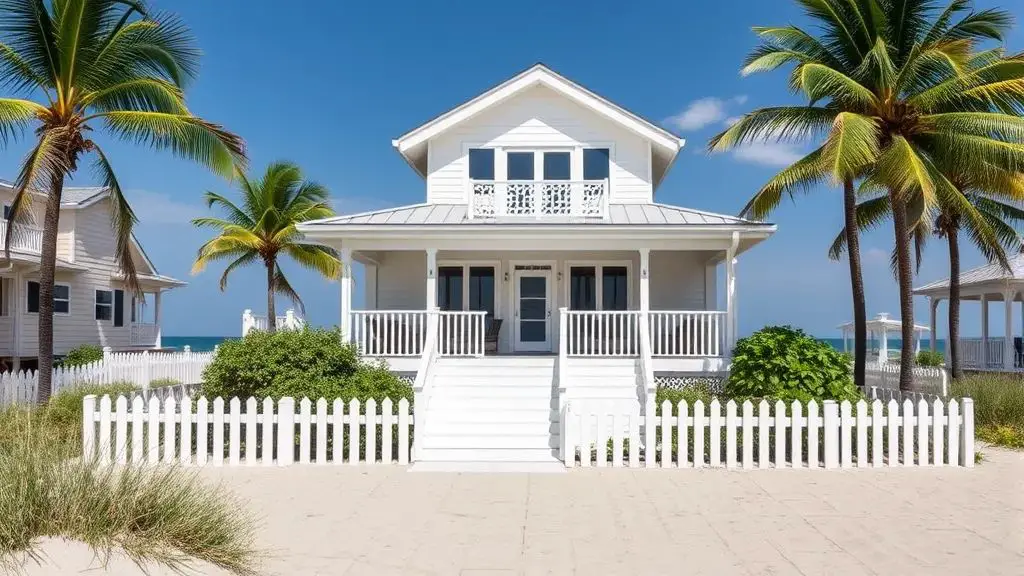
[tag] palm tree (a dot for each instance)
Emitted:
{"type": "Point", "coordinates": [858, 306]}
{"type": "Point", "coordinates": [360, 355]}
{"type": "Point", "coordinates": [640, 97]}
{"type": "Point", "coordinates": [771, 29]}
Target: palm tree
{"type": "Point", "coordinates": [263, 228]}
{"type": "Point", "coordinates": [93, 64]}
{"type": "Point", "coordinates": [899, 81]}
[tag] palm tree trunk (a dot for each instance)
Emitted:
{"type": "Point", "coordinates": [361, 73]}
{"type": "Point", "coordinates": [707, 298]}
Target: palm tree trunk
{"type": "Point", "coordinates": [47, 270]}
{"type": "Point", "coordinates": [954, 303]}
{"type": "Point", "coordinates": [271, 312]}
{"type": "Point", "coordinates": [904, 279]}
{"type": "Point", "coordinates": [860, 328]}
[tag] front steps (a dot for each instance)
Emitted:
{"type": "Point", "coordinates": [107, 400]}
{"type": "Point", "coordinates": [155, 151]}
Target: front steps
{"type": "Point", "coordinates": [496, 409]}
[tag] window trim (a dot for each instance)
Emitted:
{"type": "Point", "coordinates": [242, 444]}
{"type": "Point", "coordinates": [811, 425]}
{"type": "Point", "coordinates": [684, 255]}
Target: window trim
{"type": "Point", "coordinates": [96, 302]}
{"type": "Point", "coordinates": [55, 299]}
{"type": "Point", "coordinates": [466, 265]}
{"type": "Point", "coordinates": [632, 293]}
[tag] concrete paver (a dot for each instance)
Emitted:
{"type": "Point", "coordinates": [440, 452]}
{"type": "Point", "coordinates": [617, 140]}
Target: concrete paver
{"type": "Point", "coordinates": [384, 520]}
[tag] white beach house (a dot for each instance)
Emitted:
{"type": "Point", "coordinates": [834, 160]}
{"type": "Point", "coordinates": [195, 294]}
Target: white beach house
{"type": "Point", "coordinates": [92, 304]}
{"type": "Point", "coordinates": [539, 270]}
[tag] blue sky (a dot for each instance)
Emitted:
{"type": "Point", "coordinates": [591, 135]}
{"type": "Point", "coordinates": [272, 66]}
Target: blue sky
{"type": "Point", "coordinates": [329, 85]}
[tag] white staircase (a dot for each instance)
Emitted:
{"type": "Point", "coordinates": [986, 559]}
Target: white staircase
{"type": "Point", "coordinates": [603, 385]}
{"type": "Point", "coordinates": [496, 409]}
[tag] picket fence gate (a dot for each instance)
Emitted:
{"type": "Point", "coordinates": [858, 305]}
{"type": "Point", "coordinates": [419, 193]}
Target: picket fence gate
{"type": "Point", "coordinates": [841, 436]}
{"type": "Point", "coordinates": [203, 433]}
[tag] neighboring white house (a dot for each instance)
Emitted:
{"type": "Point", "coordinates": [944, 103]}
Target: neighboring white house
{"type": "Point", "coordinates": [92, 304]}
{"type": "Point", "coordinates": [557, 276]}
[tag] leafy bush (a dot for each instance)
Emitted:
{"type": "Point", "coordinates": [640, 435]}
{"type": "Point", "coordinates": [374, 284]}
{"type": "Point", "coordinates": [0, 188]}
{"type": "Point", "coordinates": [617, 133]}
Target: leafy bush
{"type": "Point", "coordinates": [784, 363]}
{"type": "Point", "coordinates": [931, 359]}
{"type": "Point", "coordinates": [690, 393]}
{"type": "Point", "coordinates": [998, 406]}
{"type": "Point", "coordinates": [311, 363]}
{"type": "Point", "coordinates": [85, 354]}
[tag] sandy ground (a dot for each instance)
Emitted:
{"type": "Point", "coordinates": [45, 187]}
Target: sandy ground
{"type": "Point", "coordinates": [385, 520]}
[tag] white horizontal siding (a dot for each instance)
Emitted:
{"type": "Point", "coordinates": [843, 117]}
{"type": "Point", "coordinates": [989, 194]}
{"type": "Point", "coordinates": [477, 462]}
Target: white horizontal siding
{"type": "Point", "coordinates": [542, 118]}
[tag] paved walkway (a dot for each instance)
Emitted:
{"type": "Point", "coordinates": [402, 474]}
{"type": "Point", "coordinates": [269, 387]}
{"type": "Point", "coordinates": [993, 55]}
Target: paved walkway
{"type": "Point", "coordinates": [384, 520]}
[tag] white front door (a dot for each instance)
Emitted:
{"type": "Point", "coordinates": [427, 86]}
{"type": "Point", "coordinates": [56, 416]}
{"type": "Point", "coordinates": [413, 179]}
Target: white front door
{"type": "Point", "coordinates": [532, 310]}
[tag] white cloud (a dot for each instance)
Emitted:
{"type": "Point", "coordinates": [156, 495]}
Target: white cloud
{"type": "Point", "coordinates": [740, 100]}
{"type": "Point", "coordinates": [876, 256]}
{"type": "Point", "coordinates": [768, 153]}
{"type": "Point", "coordinates": [732, 120]}
{"type": "Point", "coordinates": [158, 208]}
{"type": "Point", "coordinates": [698, 114]}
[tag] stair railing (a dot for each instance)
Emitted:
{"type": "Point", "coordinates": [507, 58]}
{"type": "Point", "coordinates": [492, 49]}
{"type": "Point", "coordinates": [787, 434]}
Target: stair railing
{"type": "Point", "coordinates": [421, 386]}
{"type": "Point", "coordinates": [563, 378]}
{"type": "Point", "coordinates": [648, 389]}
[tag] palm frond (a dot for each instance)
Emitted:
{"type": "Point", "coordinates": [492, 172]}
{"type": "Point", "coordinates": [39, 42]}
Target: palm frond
{"type": "Point", "coordinates": [42, 167]}
{"type": "Point", "coordinates": [283, 287]}
{"type": "Point", "coordinates": [29, 32]}
{"type": "Point", "coordinates": [851, 145]}
{"type": "Point", "coordinates": [122, 220]}
{"type": "Point", "coordinates": [145, 94]}
{"type": "Point", "coordinates": [242, 260]}
{"type": "Point", "coordinates": [15, 115]}
{"type": "Point", "coordinates": [796, 40]}
{"type": "Point", "coordinates": [235, 215]}
{"type": "Point", "coordinates": [784, 123]}
{"type": "Point", "coordinates": [901, 169]}
{"type": "Point", "coordinates": [316, 257]}
{"type": "Point", "coordinates": [820, 82]}
{"type": "Point", "coordinates": [15, 72]}
{"type": "Point", "coordinates": [802, 176]}
{"type": "Point", "coordinates": [870, 214]}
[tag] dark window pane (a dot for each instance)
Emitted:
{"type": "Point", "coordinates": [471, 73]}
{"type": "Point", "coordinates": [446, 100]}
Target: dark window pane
{"type": "Point", "coordinates": [7, 212]}
{"type": "Point", "coordinates": [481, 289]}
{"type": "Point", "coordinates": [449, 288]}
{"type": "Point", "coordinates": [61, 292]}
{"type": "Point", "coordinates": [613, 287]}
{"type": "Point", "coordinates": [118, 307]}
{"type": "Point", "coordinates": [556, 166]}
{"type": "Point", "coordinates": [481, 164]}
{"type": "Point", "coordinates": [103, 312]}
{"type": "Point", "coordinates": [595, 164]}
{"type": "Point", "coordinates": [61, 306]}
{"type": "Point", "coordinates": [533, 308]}
{"type": "Point", "coordinates": [134, 304]}
{"type": "Point", "coordinates": [582, 288]}
{"type": "Point", "coordinates": [533, 287]}
{"type": "Point", "coordinates": [104, 297]}
{"type": "Point", "coordinates": [532, 331]}
{"type": "Point", "coordinates": [520, 165]}
{"type": "Point", "coordinates": [33, 296]}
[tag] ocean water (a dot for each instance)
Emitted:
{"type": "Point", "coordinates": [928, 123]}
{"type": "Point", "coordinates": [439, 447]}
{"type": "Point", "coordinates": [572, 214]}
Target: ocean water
{"type": "Point", "coordinates": [198, 343]}
{"type": "Point", "coordinates": [894, 344]}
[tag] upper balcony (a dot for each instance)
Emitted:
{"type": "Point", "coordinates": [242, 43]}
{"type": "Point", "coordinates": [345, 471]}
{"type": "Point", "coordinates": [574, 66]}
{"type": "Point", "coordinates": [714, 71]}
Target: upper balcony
{"type": "Point", "coordinates": [24, 239]}
{"type": "Point", "coordinates": [538, 199]}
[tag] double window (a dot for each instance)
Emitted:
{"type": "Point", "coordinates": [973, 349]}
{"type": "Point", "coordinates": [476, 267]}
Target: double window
{"type": "Point", "coordinates": [466, 287]}
{"type": "Point", "coordinates": [61, 298]}
{"type": "Point", "coordinates": [598, 287]}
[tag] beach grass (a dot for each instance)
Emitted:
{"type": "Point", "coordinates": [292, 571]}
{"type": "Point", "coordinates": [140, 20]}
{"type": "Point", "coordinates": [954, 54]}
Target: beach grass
{"type": "Point", "coordinates": [998, 406]}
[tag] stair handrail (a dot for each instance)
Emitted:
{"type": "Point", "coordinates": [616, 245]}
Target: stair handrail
{"type": "Point", "coordinates": [421, 386]}
{"type": "Point", "coordinates": [562, 375]}
{"type": "Point", "coordinates": [647, 386]}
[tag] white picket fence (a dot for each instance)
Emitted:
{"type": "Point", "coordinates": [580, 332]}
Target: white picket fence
{"type": "Point", "coordinates": [795, 436]}
{"type": "Point", "coordinates": [927, 380]}
{"type": "Point", "coordinates": [140, 368]}
{"type": "Point", "coordinates": [268, 433]}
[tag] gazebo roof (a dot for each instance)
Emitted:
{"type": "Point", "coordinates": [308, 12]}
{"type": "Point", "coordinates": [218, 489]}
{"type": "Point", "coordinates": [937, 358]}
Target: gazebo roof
{"type": "Point", "coordinates": [987, 278]}
{"type": "Point", "coordinates": [882, 321]}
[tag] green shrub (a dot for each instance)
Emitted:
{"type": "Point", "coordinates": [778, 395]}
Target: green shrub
{"type": "Point", "coordinates": [85, 354]}
{"type": "Point", "coordinates": [311, 363]}
{"type": "Point", "coordinates": [690, 393]}
{"type": "Point", "coordinates": [784, 363]}
{"type": "Point", "coordinates": [161, 382]}
{"type": "Point", "coordinates": [931, 359]}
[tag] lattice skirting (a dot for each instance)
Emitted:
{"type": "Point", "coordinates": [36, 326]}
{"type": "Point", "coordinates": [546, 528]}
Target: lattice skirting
{"type": "Point", "coordinates": [713, 383]}
{"type": "Point", "coordinates": [408, 377]}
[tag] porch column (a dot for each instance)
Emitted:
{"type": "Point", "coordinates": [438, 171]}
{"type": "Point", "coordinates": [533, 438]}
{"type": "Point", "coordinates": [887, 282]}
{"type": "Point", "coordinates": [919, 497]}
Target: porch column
{"type": "Point", "coordinates": [14, 305]}
{"type": "Point", "coordinates": [346, 294]}
{"type": "Point", "coordinates": [156, 317]}
{"type": "Point", "coordinates": [984, 331]}
{"type": "Point", "coordinates": [730, 294]}
{"type": "Point", "coordinates": [933, 306]}
{"type": "Point", "coordinates": [431, 302]}
{"type": "Point", "coordinates": [645, 279]}
{"type": "Point", "coordinates": [883, 346]}
{"type": "Point", "coordinates": [1008, 350]}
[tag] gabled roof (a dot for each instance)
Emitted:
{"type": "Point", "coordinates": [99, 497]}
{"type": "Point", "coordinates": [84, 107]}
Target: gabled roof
{"type": "Point", "coordinates": [987, 274]}
{"type": "Point", "coordinates": [410, 144]}
{"type": "Point", "coordinates": [72, 196]}
{"type": "Point", "coordinates": [456, 214]}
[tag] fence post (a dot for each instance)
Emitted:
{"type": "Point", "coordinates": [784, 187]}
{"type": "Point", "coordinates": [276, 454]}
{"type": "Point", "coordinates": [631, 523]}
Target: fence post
{"type": "Point", "coordinates": [285, 431]}
{"type": "Point", "coordinates": [89, 427]}
{"type": "Point", "coordinates": [967, 437]}
{"type": "Point", "coordinates": [247, 321]}
{"type": "Point", "coordinates": [831, 434]}
{"type": "Point", "coordinates": [105, 376]}
{"type": "Point", "coordinates": [145, 369]}
{"type": "Point", "coordinates": [289, 319]}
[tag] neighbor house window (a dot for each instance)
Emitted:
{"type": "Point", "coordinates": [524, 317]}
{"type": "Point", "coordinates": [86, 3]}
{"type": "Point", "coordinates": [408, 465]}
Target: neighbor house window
{"type": "Point", "coordinates": [7, 212]}
{"type": "Point", "coordinates": [598, 287]}
{"type": "Point", "coordinates": [118, 308]}
{"type": "Point", "coordinates": [481, 164]}
{"type": "Point", "coordinates": [61, 298]}
{"type": "Point", "coordinates": [104, 305]}
{"type": "Point", "coordinates": [595, 163]}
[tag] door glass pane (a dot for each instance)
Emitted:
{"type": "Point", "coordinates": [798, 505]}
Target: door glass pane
{"type": "Point", "coordinates": [532, 331]}
{"type": "Point", "coordinates": [613, 287]}
{"type": "Point", "coordinates": [481, 289]}
{"type": "Point", "coordinates": [449, 288]}
{"type": "Point", "coordinates": [595, 164]}
{"type": "Point", "coordinates": [556, 166]}
{"type": "Point", "coordinates": [520, 165]}
{"type": "Point", "coordinates": [582, 288]}
{"type": "Point", "coordinates": [481, 164]}
{"type": "Point", "coordinates": [533, 287]}
{"type": "Point", "coordinates": [533, 308]}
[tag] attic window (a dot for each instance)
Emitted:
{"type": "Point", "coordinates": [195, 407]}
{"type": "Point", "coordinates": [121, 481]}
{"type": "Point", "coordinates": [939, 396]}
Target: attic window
{"type": "Point", "coordinates": [595, 163]}
{"type": "Point", "coordinates": [481, 164]}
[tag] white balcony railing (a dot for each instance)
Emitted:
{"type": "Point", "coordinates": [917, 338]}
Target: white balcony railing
{"type": "Point", "coordinates": [25, 238]}
{"type": "Point", "coordinates": [602, 333]}
{"type": "Point", "coordinates": [145, 334]}
{"type": "Point", "coordinates": [289, 321]}
{"type": "Point", "coordinates": [538, 199]}
{"type": "Point", "coordinates": [979, 354]}
{"type": "Point", "coordinates": [680, 334]}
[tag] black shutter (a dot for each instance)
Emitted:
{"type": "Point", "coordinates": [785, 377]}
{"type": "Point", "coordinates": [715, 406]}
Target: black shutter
{"type": "Point", "coordinates": [33, 297]}
{"type": "Point", "coordinates": [118, 307]}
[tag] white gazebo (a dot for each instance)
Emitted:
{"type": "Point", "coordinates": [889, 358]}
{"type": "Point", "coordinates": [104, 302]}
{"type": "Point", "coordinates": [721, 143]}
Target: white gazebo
{"type": "Point", "coordinates": [879, 329]}
{"type": "Point", "coordinates": [985, 284]}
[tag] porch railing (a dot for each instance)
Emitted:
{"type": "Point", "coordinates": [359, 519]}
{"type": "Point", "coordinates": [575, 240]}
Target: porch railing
{"type": "Point", "coordinates": [538, 199]}
{"type": "Point", "coordinates": [684, 333]}
{"type": "Point", "coordinates": [403, 332]}
{"type": "Point", "coordinates": [289, 321]}
{"type": "Point", "coordinates": [145, 334]}
{"type": "Point", "coordinates": [602, 333]}
{"type": "Point", "coordinates": [24, 237]}
{"type": "Point", "coordinates": [976, 354]}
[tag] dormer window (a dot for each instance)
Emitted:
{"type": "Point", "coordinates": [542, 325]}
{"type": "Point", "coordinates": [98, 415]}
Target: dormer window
{"type": "Point", "coordinates": [595, 163]}
{"type": "Point", "coordinates": [481, 164]}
